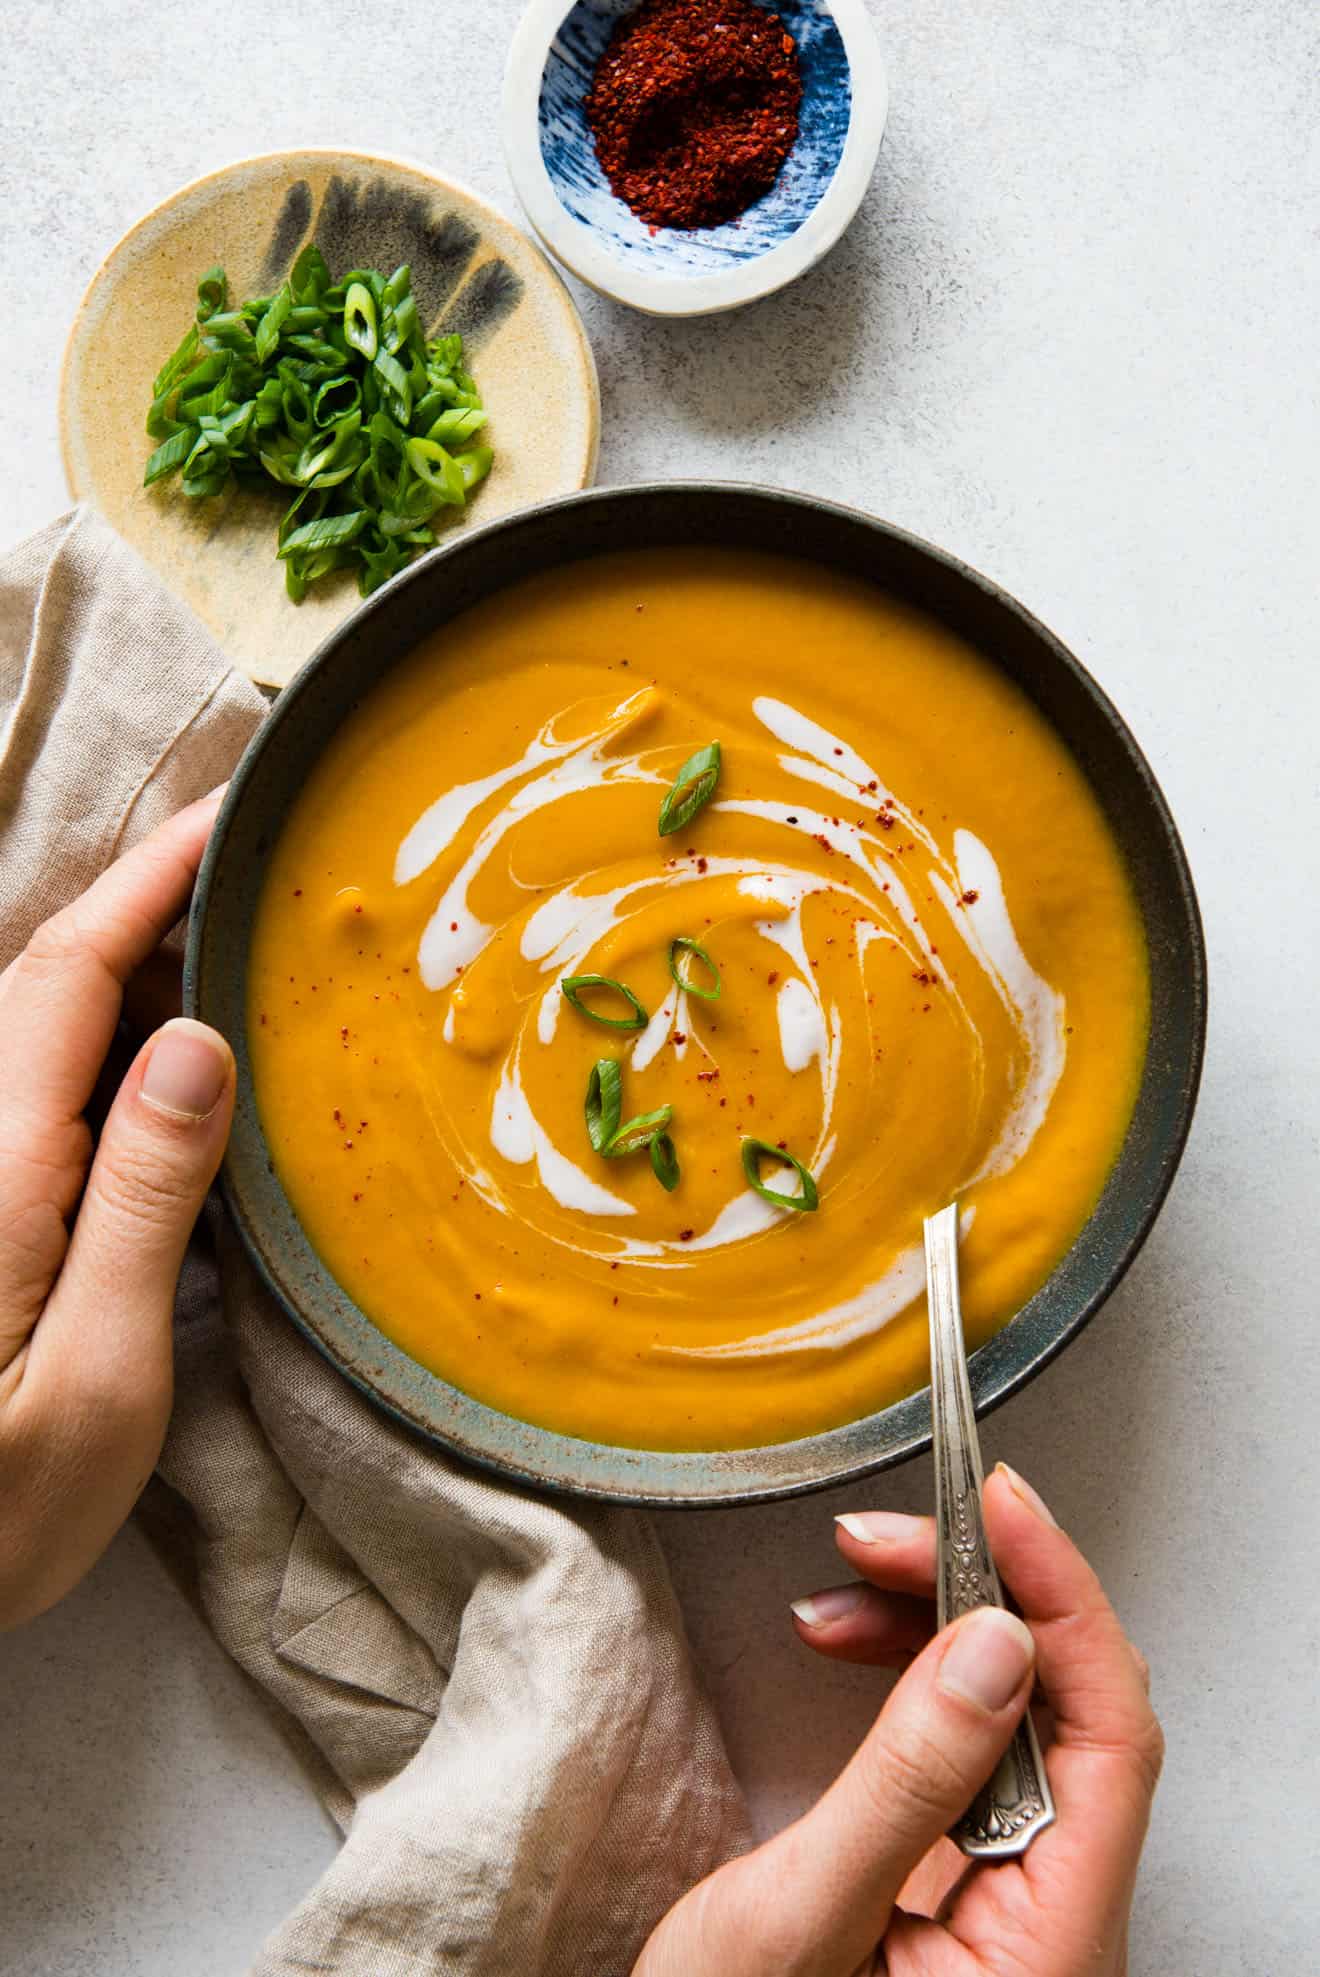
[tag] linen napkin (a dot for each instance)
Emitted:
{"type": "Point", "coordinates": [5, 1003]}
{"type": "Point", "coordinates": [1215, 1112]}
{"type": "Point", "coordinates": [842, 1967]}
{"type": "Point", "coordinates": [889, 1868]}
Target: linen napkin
{"type": "Point", "coordinates": [492, 1690]}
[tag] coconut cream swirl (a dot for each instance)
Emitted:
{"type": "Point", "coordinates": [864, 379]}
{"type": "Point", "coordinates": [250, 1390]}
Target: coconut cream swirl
{"type": "Point", "coordinates": [819, 791]}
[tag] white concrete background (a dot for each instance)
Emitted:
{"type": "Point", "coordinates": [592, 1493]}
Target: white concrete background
{"type": "Point", "coordinates": [1073, 337]}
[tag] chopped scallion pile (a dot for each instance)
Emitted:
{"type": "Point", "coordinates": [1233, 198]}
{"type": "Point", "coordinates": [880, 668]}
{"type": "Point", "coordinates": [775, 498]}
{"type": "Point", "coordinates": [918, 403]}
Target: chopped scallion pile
{"type": "Point", "coordinates": [332, 389]}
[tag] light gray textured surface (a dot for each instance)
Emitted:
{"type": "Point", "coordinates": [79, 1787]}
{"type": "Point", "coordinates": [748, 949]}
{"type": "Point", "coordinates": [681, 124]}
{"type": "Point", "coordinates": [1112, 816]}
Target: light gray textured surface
{"type": "Point", "coordinates": [1073, 338]}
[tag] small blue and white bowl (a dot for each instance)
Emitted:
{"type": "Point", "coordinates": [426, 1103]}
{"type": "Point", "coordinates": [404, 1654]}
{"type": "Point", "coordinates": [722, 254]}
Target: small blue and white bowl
{"type": "Point", "coordinates": [678, 271]}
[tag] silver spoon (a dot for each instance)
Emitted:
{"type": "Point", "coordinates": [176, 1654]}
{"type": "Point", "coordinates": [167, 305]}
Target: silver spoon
{"type": "Point", "coordinates": [1007, 1814]}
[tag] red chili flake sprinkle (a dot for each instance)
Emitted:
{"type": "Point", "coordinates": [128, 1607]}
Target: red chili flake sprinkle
{"type": "Point", "coordinates": [970, 897]}
{"type": "Point", "coordinates": [751, 1100]}
{"type": "Point", "coordinates": [920, 975]}
{"type": "Point", "coordinates": [344, 1035]}
{"type": "Point", "coordinates": [925, 1008]}
{"type": "Point", "coordinates": [453, 926]}
{"type": "Point", "coordinates": [614, 1266]}
{"type": "Point", "coordinates": [297, 892]}
{"type": "Point", "coordinates": [477, 1296]}
{"type": "Point", "coordinates": [724, 1101]}
{"type": "Point", "coordinates": [693, 108]}
{"type": "Point", "coordinates": [680, 1036]}
{"type": "Point", "coordinates": [337, 1116]}
{"type": "Point", "coordinates": [821, 838]}
{"type": "Point", "coordinates": [873, 784]}
{"type": "Point", "coordinates": [686, 1235]}
{"type": "Point", "coordinates": [772, 977]}
{"type": "Point", "coordinates": [708, 1078]}
{"type": "Point", "coordinates": [701, 864]}
{"type": "Point", "coordinates": [358, 1196]}
{"type": "Point", "coordinates": [616, 1299]}
{"type": "Point", "coordinates": [263, 1019]}
{"type": "Point", "coordinates": [885, 821]}
{"type": "Point", "coordinates": [838, 751]}
{"type": "Point", "coordinates": [782, 1145]}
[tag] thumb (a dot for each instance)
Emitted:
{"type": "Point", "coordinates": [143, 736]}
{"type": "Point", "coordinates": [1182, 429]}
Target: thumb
{"type": "Point", "coordinates": [831, 1880]}
{"type": "Point", "coordinates": [158, 1154]}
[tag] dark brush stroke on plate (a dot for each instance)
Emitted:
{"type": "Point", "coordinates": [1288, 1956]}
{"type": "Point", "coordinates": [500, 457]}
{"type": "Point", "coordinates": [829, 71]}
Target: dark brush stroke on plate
{"type": "Point", "coordinates": [380, 225]}
{"type": "Point", "coordinates": [485, 302]}
{"type": "Point", "coordinates": [287, 237]}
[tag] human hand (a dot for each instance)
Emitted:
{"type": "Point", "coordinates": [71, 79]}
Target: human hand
{"type": "Point", "coordinates": [91, 1247]}
{"type": "Point", "coordinates": [866, 1883]}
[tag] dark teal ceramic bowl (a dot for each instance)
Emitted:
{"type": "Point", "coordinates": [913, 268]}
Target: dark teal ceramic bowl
{"type": "Point", "coordinates": [386, 629]}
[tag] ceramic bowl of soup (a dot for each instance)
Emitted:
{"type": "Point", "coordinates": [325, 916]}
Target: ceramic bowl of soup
{"type": "Point", "coordinates": [629, 926]}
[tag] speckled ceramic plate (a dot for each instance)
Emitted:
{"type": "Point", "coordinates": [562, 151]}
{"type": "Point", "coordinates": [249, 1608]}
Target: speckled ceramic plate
{"type": "Point", "coordinates": [471, 271]}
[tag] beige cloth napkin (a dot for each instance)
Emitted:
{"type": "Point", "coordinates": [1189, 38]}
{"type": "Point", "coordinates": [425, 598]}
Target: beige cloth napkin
{"type": "Point", "coordinates": [492, 1689]}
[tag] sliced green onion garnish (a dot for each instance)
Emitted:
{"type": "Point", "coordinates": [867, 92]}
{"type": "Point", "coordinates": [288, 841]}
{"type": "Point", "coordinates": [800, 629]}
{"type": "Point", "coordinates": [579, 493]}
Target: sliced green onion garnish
{"type": "Point", "coordinates": [573, 985]}
{"type": "Point", "coordinates": [360, 319]}
{"type": "Point", "coordinates": [754, 1151]}
{"type": "Point", "coordinates": [455, 424]}
{"type": "Point", "coordinates": [310, 277]}
{"type": "Point", "coordinates": [604, 1102]}
{"type": "Point", "coordinates": [441, 472]}
{"type": "Point", "coordinates": [681, 945]}
{"type": "Point", "coordinates": [327, 533]}
{"type": "Point", "coordinates": [177, 365]}
{"type": "Point", "coordinates": [268, 329]}
{"type": "Point", "coordinates": [694, 785]}
{"type": "Point", "coordinates": [639, 1132]}
{"type": "Point", "coordinates": [169, 456]}
{"type": "Point", "coordinates": [474, 463]}
{"type": "Point", "coordinates": [395, 379]}
{"type": "Point", "coordinates": [212, 292]}
{"type": "Point", "coordinates": [664, 1162]}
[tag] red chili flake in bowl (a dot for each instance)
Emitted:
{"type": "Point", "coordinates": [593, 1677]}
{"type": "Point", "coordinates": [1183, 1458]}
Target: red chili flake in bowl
{"type": "Point", "coordinates": [694, 108]}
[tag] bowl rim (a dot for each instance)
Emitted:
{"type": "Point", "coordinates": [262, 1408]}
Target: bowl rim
{"type": "Point", "coordinates": [562, 1459]}
{"type": "Point", "coordinates": [575, 245]}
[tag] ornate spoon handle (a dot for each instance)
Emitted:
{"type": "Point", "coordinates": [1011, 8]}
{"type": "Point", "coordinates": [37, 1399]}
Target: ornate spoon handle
{"type": "Point", "coordinates": [1007, 1814]}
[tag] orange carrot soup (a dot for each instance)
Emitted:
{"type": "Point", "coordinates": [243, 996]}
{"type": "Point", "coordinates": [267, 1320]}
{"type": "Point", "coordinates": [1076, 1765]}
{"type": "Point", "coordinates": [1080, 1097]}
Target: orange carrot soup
{"type": "Point", "coordinates": [885, 955]}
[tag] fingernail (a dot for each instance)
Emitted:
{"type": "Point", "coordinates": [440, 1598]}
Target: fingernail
{"type": "Point", "coordinates": [822, 1609]}
{"type": "Point", "coordinates": [187, 1070]}
{"type": "Point", "coordinates": [1022, 1488]}
{"type": "Point", "coordinates": [879, 1527]}
{"type": "Point", "coordinates": [987, 1659]}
